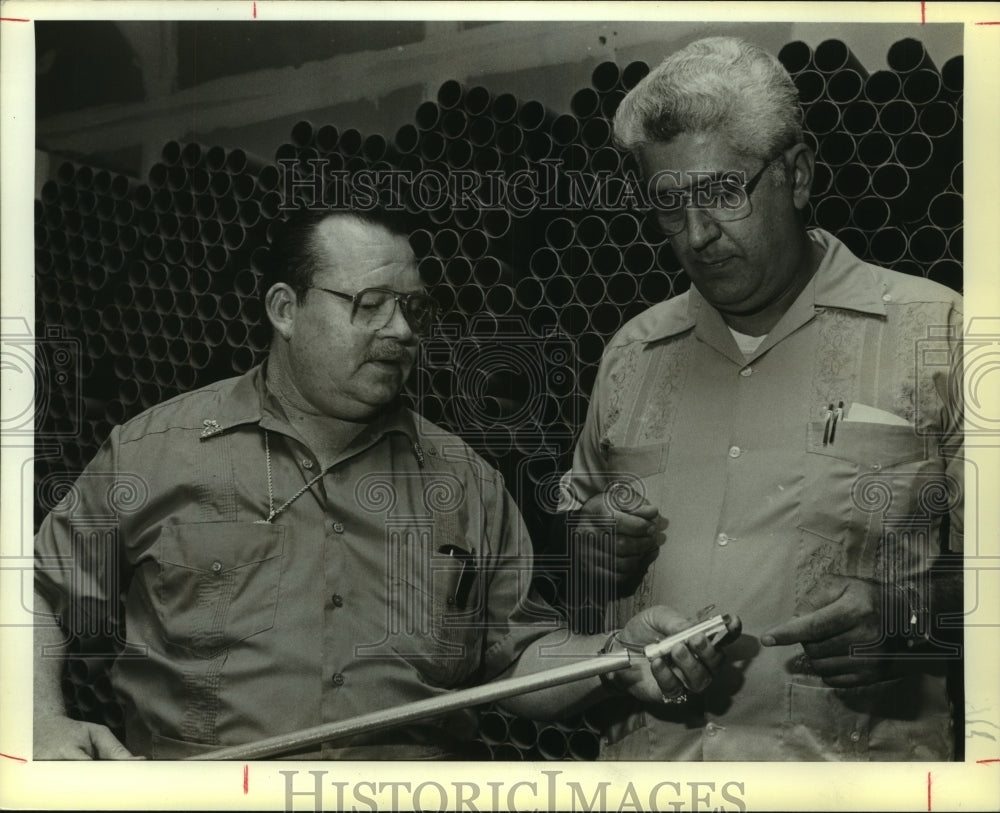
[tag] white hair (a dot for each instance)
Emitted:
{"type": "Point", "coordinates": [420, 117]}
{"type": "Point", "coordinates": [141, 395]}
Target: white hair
{"type": "Point", "coordinates": [722, 85]}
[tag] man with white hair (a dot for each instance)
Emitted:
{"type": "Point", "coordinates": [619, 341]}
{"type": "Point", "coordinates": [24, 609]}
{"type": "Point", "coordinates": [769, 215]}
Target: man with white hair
{"type": "Point", "coordinates": [794, 416]}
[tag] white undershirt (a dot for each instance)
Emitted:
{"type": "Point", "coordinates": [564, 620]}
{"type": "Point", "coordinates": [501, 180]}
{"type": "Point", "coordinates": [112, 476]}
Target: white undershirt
{"type": "Point", "coordinates": [747, 344]}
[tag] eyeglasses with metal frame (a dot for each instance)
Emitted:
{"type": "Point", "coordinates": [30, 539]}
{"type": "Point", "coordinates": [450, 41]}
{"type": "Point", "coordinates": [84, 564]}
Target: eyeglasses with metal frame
{"type": "Point", "coordinates": [374, 308]}
{"type": "Point", "coordinates": [671, 218]}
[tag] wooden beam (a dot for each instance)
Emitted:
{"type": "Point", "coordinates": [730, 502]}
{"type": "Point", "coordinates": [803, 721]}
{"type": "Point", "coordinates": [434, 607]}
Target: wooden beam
{"type": "Point", "coordinates": [270, 94]}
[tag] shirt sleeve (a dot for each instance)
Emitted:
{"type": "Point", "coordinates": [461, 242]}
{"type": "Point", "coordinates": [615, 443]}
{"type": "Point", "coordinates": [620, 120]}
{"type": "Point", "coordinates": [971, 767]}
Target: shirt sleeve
{"type": "Point", "coordinates": [586, 477]}
{"type": "Point", "coordinates": [77, 548]}
{"type": "Point", "coordinates": [516, 614]}
{"type": "Point", "coordinates": [952, 446]}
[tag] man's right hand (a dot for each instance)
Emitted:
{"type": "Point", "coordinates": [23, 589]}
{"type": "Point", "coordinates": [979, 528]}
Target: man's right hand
{"type": "Point", "coordinates": [63, 738]}
{"type": "Point", "coordinates": [639, 533]}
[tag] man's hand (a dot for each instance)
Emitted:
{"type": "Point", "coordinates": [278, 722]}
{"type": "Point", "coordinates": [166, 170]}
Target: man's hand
{"type": "Point", "coordinates": [638, 535]}
{"type": "Point", "coordinates": [64, 738]}
{"type": "Point", "coordinates": [688, 667]}
{"type": "Point", "coordinates": [848, 613]}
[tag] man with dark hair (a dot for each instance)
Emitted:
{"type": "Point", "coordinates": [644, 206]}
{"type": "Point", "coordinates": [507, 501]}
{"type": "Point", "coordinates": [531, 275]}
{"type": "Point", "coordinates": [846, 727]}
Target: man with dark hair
{"type": "Point", "coordinates": [300, 549]}
{"type": "Point", "coordinates": [795, 417]}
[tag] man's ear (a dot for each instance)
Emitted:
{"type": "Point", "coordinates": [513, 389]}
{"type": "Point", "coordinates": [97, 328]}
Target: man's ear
{"type": "Point", "coordinates": [281, 304]}
{"type": "Point", "coordinates": [803, 163]}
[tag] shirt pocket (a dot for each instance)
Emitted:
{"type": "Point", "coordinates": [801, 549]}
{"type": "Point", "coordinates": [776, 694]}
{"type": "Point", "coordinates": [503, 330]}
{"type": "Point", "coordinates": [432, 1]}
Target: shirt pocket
{"type": "Point", "coordinates": [217, 583]}
{"type": "Point", "coordinates": [638, 467]}
{"type": "Point", "coordinates": [441, 618]}
{"type": "Point", "coordinates": [827, 724]}
{"type": "Point", "coordinates": [868, 472]}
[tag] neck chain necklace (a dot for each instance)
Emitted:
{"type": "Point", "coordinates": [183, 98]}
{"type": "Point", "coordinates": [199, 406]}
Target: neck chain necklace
{"type": "Point", "coordinates": [272, 511]}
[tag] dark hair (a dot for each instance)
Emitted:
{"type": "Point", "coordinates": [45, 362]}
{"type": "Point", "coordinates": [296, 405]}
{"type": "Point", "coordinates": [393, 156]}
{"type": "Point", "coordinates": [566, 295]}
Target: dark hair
{"type": "Point", "coordinates": [291, 258]}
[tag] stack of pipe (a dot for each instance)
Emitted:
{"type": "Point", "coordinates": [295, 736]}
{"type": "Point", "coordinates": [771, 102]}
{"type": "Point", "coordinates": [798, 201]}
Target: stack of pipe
{"type": "Point", "coordinates": [888, 174]}
{"type": "Point", "coordinates": [504, 736]}
{"type": "Point", "coordinates": [153, 286]}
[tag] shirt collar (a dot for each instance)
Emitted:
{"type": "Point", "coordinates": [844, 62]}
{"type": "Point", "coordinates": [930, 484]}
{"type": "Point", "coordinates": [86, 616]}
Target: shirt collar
{"type": "Point", "coordinates": [841, 281]}
{"type": "Point", "coordinates": [844, 281]}
{"type": "Point", "coordinates": [250, 401]}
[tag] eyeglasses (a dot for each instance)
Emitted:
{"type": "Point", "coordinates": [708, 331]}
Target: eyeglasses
{"type": "Point", "coordinates": [724, 199]}
{"type": "Point", "coordinates": [374, 308]}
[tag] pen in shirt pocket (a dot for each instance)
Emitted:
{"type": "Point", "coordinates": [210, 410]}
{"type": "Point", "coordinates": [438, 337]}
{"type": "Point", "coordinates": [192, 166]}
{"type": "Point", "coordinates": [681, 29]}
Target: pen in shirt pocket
{"type": "Point", "coordinates": [465, 578]}
{"type": "Point", "coordinates": [833, 416]}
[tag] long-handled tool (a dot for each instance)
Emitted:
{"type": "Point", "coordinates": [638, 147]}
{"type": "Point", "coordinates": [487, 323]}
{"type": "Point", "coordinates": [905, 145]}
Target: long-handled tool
{"type": "Point", "coordinates": [713, 628]}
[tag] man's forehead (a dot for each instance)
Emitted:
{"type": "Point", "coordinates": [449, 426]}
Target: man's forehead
{"type": "Point", "coordinates": [346, 234]}
{"type": "Point", "coordinates": [690, 159]}
{"type": "Point", "coordinates": [353, 249]}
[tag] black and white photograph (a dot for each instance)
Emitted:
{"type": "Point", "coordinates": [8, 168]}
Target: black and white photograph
{"type": "Point", "coordinates": [499, 406]}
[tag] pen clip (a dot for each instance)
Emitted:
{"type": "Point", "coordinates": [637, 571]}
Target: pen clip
{"type": "Point", "coordinates": [827, 426]}
{"type": "Point", "coordinates": [838, 415]}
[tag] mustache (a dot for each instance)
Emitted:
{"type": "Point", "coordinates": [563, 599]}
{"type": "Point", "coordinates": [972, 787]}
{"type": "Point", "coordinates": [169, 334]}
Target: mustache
{"type": "Point", "coordinates": [390, 352]}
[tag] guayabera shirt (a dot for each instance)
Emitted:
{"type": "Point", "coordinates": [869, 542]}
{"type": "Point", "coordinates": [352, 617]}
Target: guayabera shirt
{"type": "Point", "coordinates": [833, 448]}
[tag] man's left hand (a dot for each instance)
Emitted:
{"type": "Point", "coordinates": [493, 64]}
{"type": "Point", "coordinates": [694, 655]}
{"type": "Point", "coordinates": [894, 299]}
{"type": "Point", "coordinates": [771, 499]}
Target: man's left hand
{"type": "Point", "coordinates": [849, 612]}
{"type": "Point", "coordinates": [689, 666]}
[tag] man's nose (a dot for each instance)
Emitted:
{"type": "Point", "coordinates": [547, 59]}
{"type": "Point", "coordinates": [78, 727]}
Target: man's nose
{"type": "Point", "coordinates": [702, 228]}
{"type": "Point", "coordinates": [398, 327]}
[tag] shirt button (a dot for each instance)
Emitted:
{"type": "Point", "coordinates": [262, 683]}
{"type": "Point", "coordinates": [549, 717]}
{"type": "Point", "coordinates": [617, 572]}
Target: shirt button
{"type": "Point", "coordinates": [710, 730]}
{"type": "Point", "coordinates": [746, 372]}
{"type": "Point", "coordinates": [855, 736]}
{"type": "Point", "coordinates": [216, 567]}
{"type": "Point", "coordinates": [735, 451]}
{"type": "Point", "coordinates": [338, 600]}
{"type": "Point", "coordinates": [722, 539]}
{"type": "Point", "coordinates": [338, 527]}
{"type": "Point", "coordinates": [307, 463]}
{"type": "Point", "coordinates": [887, 297]}
{"type": "Point", "coordinates": [338, 679]}
{"type": "Point", "coordinates": [876, 467]}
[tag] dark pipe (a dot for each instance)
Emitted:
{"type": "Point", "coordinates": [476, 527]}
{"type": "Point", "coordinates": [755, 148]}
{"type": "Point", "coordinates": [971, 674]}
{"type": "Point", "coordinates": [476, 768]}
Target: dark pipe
{"type": "Point", "coordinates": [633, 73]}
{"type": "Point", "coordinates": [326, 138]}
{"type": "Point", "coordinates": [427, 116]}
{"type": "Point", "coordinates": [921, 86]}
{"type": "Point", "coordinates": [889, 181]}
{"type": "Point", "coordinates": [897, 117]}
{"type": "Point", "coordinates": [883, 86]}
{"type": "Point", "coordinates": [477, 101]}
{"type": "Point", "coordinates": [796, 56]}
{"type": "Point", "coordinates": [913, 150]}
{"type": "Point", "coordinates": [946, 210]}
{"type": "Point", "coordinates": [852, 180]}
{"type": "Point", "coordinates": [953, 74]}
{"type": "Point", "coordinates": [845, 85]}
{"type": "Point", "coordinates": [565, 129]}
{"type": "Point", "coordinates": [938, 119]}
{"type": "Point", "coordinates": [870, 213]}
{"type": "Point", "coordinates": [450, 94]}
{"type": "Point", "coordinates": [833, 55]}
{"type": "Point", "coordinates": [907, 55]}
{"type": "Point", "coordinates": [875, 149]}
{"type": "Point", "coordinates": [811, 86]}
{"type": "Point", "coordinates": [837, 148]}
{"type": "Point", "coordinates": [832, 213]}
{"type": "Point", "coordinates": [888, 245]}
{"type": "Point", "coordinates": [927, 244]}
{"type": "Point", "coordinates": [606, 259]}
{"type": "Point", "coordinates": [822, 117]}
{"type": "Point", "coordinates": [504, 108]}
{"type": "Point", "coordinates": [585, 103]}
